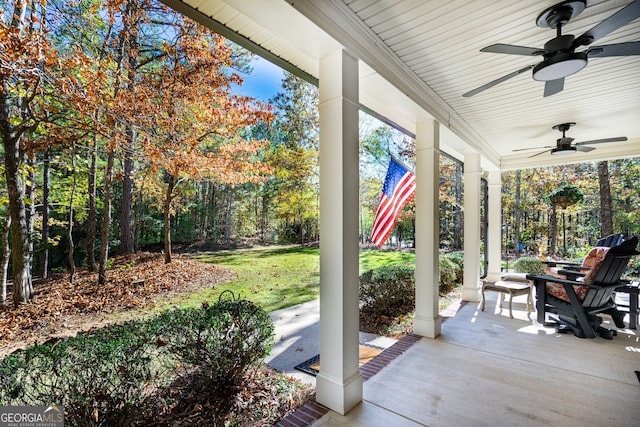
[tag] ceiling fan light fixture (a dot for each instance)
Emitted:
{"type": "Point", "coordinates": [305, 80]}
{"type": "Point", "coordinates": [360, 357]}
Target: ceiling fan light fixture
{"type": "Point", "coordinates": [563, 151]}
{"type": "Point", "coordinates": [559, 66]}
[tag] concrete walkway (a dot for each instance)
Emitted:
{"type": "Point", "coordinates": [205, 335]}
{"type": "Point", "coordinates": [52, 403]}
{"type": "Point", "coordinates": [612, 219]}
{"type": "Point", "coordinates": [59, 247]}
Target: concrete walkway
{"type": "Point", "coordinates": [297, 339]}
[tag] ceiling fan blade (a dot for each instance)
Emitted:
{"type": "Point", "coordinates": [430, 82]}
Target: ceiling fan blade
{"type": "Point", "coordinates": [551, 87]}
{"type": "Point", "coordinates": [537, 154]}
{"type": "Point", "coordinates": [617, 49]}
{"type": "Point", "coordinates": [584, 148]}
{"type": "Point", "coordinates": [531, 148]}
{"type": "Point", "coordinates": [609, 25]}
{"type": "Point", "coordinates": [497, 81]}
{"type": "Point", "coordinates": [601, 141]}
{"type": "Point", "coordinates": [510, 49]}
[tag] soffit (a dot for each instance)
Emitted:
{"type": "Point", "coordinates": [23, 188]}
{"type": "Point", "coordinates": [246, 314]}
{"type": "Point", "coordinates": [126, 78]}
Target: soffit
{"type": "Point", "coordinates": [425, 54]}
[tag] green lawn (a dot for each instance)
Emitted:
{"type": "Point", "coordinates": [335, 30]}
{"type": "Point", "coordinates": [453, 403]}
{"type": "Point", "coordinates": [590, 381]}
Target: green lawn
{"type": "Point", "coordinates": [278, 277]}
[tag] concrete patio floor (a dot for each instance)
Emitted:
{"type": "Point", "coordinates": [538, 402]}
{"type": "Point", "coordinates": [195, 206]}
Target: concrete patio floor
{"type": "Point", "coordinates": [489, 370]}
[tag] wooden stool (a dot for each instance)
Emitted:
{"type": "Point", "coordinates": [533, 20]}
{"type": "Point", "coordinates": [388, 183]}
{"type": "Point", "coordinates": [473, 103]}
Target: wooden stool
{"type": "Point", "coordinates": [512, 288]}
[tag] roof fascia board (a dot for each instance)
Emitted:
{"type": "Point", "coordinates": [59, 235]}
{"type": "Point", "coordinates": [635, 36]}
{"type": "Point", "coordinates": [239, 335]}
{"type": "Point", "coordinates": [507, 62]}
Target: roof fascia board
{"type": "Point", "coordinates": [334, 17]}
{"type": "Point", "coordinates": [239, 39]}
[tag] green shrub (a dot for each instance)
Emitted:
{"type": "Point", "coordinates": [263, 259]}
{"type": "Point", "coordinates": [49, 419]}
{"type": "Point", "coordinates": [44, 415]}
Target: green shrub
{"type": "Point", "coordinates": [220, 342]}
{"type": "Point", "coordinates": [99, 378]}
{"type": "Point", "coordinates": [530, 265]}
{"type": "Point", "coordinates": [448, 275]}
{"type": "Point", "coordinates": [633, 269]}
{"type": "Point", "coordinates": [386, 289]}
{"type": "Point", "coordinates": [390, 290]}
{"type": "Point", "coordinates": [457, 258]}
{"type": "Point", "coordinates": [106, 377]}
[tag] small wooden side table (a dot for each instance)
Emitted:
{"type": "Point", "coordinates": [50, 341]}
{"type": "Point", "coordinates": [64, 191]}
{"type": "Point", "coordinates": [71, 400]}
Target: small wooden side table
{"type": "Point", "coordinates": [631, 289]}
{"type": "Point", "coordinates": [509, 287]}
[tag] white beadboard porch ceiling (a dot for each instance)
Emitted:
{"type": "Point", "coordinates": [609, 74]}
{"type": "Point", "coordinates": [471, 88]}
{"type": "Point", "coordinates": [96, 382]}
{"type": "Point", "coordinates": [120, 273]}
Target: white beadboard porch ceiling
{"type": "Point", "coordinates": [419, 56]}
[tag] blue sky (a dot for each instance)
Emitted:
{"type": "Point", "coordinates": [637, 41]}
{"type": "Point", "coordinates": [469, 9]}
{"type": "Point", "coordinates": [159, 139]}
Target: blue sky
{"type": "Point", "coordinates": [264, 82]}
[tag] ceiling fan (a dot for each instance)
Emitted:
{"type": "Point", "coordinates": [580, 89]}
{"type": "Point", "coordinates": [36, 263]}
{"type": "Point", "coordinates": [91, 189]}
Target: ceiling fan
{"type": "Point", "coordinates": [560, 56]}
{"type": "Point", "coordinates": [565, 145]}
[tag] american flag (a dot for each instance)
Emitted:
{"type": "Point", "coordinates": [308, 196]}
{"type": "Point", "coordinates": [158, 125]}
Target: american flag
{"type": "Point", "coordinates": [399, 188]}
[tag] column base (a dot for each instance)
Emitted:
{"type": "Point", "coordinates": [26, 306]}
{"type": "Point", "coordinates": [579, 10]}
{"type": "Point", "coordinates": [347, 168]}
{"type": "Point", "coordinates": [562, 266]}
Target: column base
{"type": "Point", "coordinates": [337, 396]}
{"type": "Point", "coordinates": [471, 294]}
{"type": "Point", "coordinates": [427, 327]}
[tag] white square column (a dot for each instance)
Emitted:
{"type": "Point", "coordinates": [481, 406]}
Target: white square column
{"type": "Point", "coordinates": [494, 230]}
{"type": "Point", "coordinates": [339, 383]}
{"type": "Point", "coordinates": [472, 193]}
{"type": "Point", "coordinates": [427, 321]}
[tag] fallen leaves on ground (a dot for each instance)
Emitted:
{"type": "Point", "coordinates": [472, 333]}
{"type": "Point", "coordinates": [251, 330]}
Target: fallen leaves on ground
{"type": "Point", "coordinates": [265, 398]}
{"type": "Point", "coordinates": [133, 281]}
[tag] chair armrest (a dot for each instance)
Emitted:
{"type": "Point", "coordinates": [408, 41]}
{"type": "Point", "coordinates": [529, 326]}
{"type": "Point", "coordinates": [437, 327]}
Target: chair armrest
{"type": "Point", "coordinates": [544, 278]}
{"type": "Point", "coordinates": [577, 267]}
{"type": "Point", "coordinates": [565, 263]}
{"type": "Point", "coordinates": [573, 274]}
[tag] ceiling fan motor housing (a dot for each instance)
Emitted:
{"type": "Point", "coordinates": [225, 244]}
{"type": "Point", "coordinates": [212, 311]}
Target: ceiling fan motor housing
{"type": "Point", "coordinates": [560, 65]}
{"type": "Point", "coordinates": [563, 150]}
{"type": "Point", "coordinates": [560, 61]}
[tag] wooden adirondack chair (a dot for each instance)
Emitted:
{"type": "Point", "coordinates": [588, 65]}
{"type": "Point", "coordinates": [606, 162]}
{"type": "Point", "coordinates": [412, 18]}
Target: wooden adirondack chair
{"type": "Point", "coordinates": [577, 302]}
{"type": "Point", "coordinates": [605, 242]}
{"type": "Point", "coordinates": [611, 240]}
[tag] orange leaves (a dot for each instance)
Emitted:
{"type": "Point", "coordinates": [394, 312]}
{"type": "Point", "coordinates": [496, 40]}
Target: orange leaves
{"type": "Point", "coordinates": [195, 131]}
{"type": "Point", "coordinates": [22, 54]}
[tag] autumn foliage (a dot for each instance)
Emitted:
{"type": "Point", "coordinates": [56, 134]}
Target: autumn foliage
{"type": "Point", "coordinates": [127, 82]}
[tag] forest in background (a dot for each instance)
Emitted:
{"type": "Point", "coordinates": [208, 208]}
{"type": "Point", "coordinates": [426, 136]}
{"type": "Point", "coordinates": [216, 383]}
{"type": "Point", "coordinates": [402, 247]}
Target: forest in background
{"type": "Point", "coordinates": [121, 131]}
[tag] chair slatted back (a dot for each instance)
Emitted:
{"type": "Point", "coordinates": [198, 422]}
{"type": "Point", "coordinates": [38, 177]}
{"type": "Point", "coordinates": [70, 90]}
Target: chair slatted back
{"type": "Point", "coordinates": [611, 269]}
{"type": "Point", "coordinates": [610, 241]}
{"type": "Point", "coordinates": [608, 278]}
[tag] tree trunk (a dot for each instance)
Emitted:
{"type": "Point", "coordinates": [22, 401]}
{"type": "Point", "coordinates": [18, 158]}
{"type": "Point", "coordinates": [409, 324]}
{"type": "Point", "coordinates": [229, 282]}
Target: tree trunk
{"type": "Point", "coordinates": [31, 205]}
{"type": "Point", "coordinates": [72, 264]}
{"type": "Point", "coordinates": [22, 288]}
{"type": "Point", "coordinates": [106, 220]}
{"type": "Point", "coordinates": [126, 232]}
{"type": "Point", "coordinates": [202, 224]}
{"type": "Point", "coordinates": [553, 230]}
{"type": "Point", "coordinates": [517, 215]}
{"type": "Point", "coordinates": [457, 235]}
{"type": "Point", "coordinates": [166, 213]}
{"type": "Point", "coordinates": [264, 214]}
{"type": "Point", "coordinates": [44, 240]}
{"type": "Point", "coordinates": [4, 260]}
{"type": "Point", "coordinates": [606, 207]}
{"type": "Point", "coordinates": [137, 229]}
{"type": "Point", "coordinates": [91, 218]}
{"type": "Point", "coordinates": [126, 223]}
{"type": "Point", "coordinates": [228, 221]}
{"type": "Point", "coordinates": [20, 259]}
